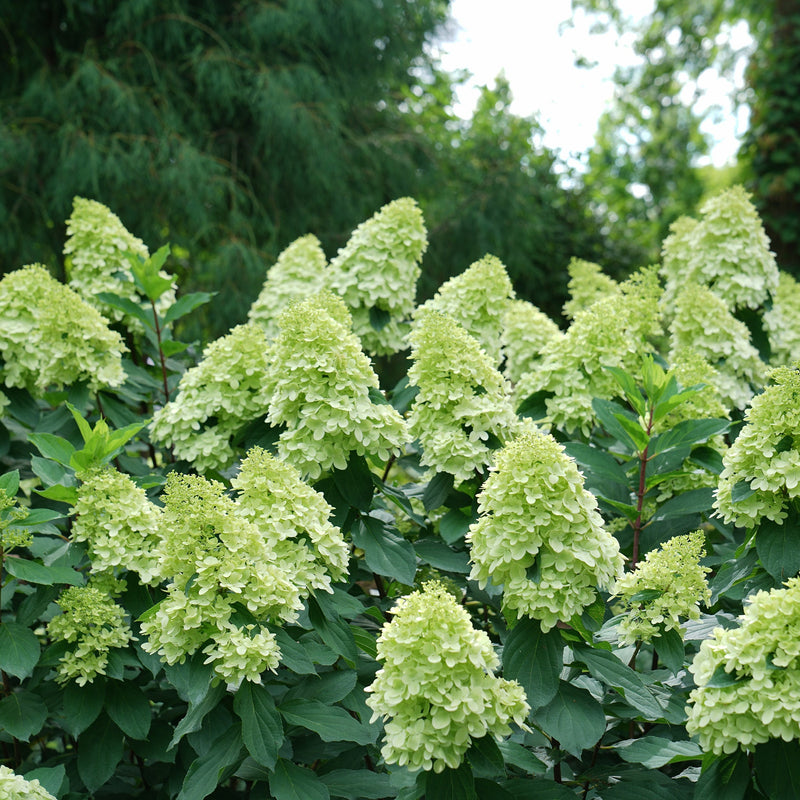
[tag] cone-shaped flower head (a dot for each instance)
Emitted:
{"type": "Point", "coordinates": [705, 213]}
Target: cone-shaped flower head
{"type": "Point", "coordinates": [616, 332]}
{"type": "Point", "coordinates": [755, 672]}
{"type": "Point", "coordinates": [705, 324]}
{"type": "Point", "coordinates": [15, 787]}
{"type": "Point", "coordinates": [216, 398]}
{"type": "Point", "coordinates": [98, 251]}
{"type": "Point", "coordinates": [322, 387]}
{"type": "Point", "coordinates": [477, 299]}
{"type": "Point", "coordinates": [780, 322]}
{"type": "Point", "coordinates": [664, 589]}
{"type": "Point", "coordinates": [52, 338]}
{"type": "Point", "coordinates": [94, 624]}
{"type": "Point", "coordinates": [376, 274]}
{"type": "Point", "coordinates": [117, 521]}
{"type": "Point", "coordinates": [587, 284]}
{"type": "Point", "coordinates": [727, 251]}
{"type": "Point", "coordinates": [299, 272]}
{"type": "Point", "coordinates": [539, 533]}
{"type": "Point", "coordinates": [436, 686]}
{"type": "Point", "coordinates": [765, 455]}
{"type": "Point", "coordinates": [293, 519]}
{"type": "Point", "coordinates": [526, 330]}
{"type": "Point", "coordinates": [463, 404]}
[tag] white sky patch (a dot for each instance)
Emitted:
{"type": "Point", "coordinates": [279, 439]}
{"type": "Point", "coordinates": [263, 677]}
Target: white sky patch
{"type": "Point", "coordinates": [529, 41]}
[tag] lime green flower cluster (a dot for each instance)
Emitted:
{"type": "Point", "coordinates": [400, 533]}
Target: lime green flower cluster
{"type": "Point", "coordinates": [216, 398]}
{"type": "Point", "coordinates": [320, 385]}
{"type": "Point", "coordinates": [378, 269]}
{"type": "Point", "coordinates": [463, 401]}
{"type": "Point", "coordinates": [727, 250]}
{"type": "Point", "coordinates": [15, 787]}
{"type": "Point", "coordinates": [748, 678]}
{"type": "Point", "coordinates": [615, 332]}
{"type": "Point", "coordinates": [704, 323]}
{"type": "Point", "coordinates": [436, 687]}
{"type": "Point", "coordinates": [94, 624]}
{"type": "Point", "coordinates": [780, 322]}
{"type": "Point", "coordinates": [765, 455]}
{"type": "Point", "coordinates": [117, 521]}
{"type": "Point", "coordinates": [665, 588]}
{"type": "Point", "coordinates": [52, 338]}
{"type": "Point", "coordinates": [539, 533]}
{"type": "Point", "coordinates": [477, 299]}
{"type": "Point", "coordinates": [525, 332]}
{"type": "Point", "coordinates": [587, 284]}
{"type": "Point", "coordinates": [293, 519]}
{"type": "Point", "coordinates": [299, 272]}
{"type": "Point", "coordinates": [98, 251]}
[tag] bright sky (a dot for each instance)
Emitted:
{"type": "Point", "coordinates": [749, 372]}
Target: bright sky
{"type": "Point", "coordinates": [522, 38]}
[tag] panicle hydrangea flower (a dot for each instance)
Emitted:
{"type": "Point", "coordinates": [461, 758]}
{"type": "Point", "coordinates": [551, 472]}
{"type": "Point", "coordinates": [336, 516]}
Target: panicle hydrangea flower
{"type": "Point", "coordinates": [526, 330]}
{"type": "Point", "coordinates": [765, 455]}
{"type": "Point", "coordinates": [539, 533]}
{"type": "Point", "coordinates": [704, 323]}
{"type": "Point", "coordinates": [52, 338]}
{"type": "Point", "coordinates": [587, 284]}
{"type": "Point", "coordinates": [614, 332]}
{"type": "Point", "coordinates": [780, 322]}
{"type": "Point", "coordinates": [94, 624]}
{"type": "Point", "coordinates": [293, 519]}
{"type": "Point", "coordinates": [727, 251]}
{"type": "Point", "coordinates": [299, 272]}
{"type": "Point", "coordinates": [215, 560]}
{"type": "Point", "coordinates": [97, 253]}
{"type": "Point", "coordinates": [761, 660]}
{"type": "Point", "coordinates": [378, 268]}
{"type": "Point", "coordinates": [15, 787]}
{"type": "Point", "coordinates": [118, 522]}
{"type": "Point", "coordinates": [674, 583]}
{"type": "Point", "coordinates": [321, 386]}
{"type": "Point", "coordinates": [216, 398]}
{"type": "Point", "coordinates": [463, 401]}
{"type": "Point", "coordinates": [477, 299]}
{"type": "Point", "coordinates": [437, 687]}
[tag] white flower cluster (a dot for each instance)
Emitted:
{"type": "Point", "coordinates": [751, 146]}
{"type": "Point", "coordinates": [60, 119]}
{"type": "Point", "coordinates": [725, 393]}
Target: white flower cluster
{"type": "Point", "coordinates": [780, 322]}
{"type": "Point", "coordinates": [15, 787]}
{"type": "Point", "coordinates": [526, 330]}
{"type": "Point", "coordinates": [587, 284]}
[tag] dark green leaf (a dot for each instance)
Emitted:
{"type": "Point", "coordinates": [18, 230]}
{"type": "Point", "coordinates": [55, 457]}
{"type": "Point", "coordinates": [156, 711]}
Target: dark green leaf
{"type": "Point", "coordinates": [62, 494]}
{"type": "Point", "coordinates": [99, 752]}
{"type": "Point", "coordinates": [690, 431]}
{"type": "Point", "coordinates": [654, 752]}
{"type": "Point", "coordinates": [192, 679]}
{"type": "Point", "coordinates": [654, 785]}
{"type": "Point", "coordinates": [437, 490]}
{"type": "Point", "coordinates": [335, 633]}
{"type": "Point", "coordinates": [708, 458]}
{"type": "Point", "coordinates": [185, 305]}
{"type": "Point", "coordinates": [293, 655]}
{"type": "Point", "coordinates": [573, 717]}
{"type": "Point", "coordinates": [778, 769]}
{"type": "Point", "coordinates": [129, 708]}
{"type": "Point", "coordinates": [82, 705]}
{"type": "Point", "coordinates": [726, 777]}
{"type": "Point", "coordinates": [34, 605]}
{"type": "Point", "coordinates": [485, 758]}
{"type": "Point", "coordinates": [329, 687]}
{"type": "Point", "coordinates": [451, 784]}
{"type": "Point", "coordinates": [385, 552]}
{"type": "Point", "coordinates": [535, 406]}
{"type": "Point", "coordinates": [291, 782]}
{"type": "Point", "coordinates": [355, 483]}
{"type": "Point", "coordinates": [436, 553]}
{"type": "Point", "coordinates": [331, 723]}
{"type": "Point", "coordinates": [52, 779]}
{"type": "Point", "coordinates": [538, 789]}
{"type": "Point", "coordinates": [49, 471]}
{"type": "Point", "coordinates": [778, 546]}
{"type": "Point", "coordinates": [197, 712]}
{"type": "Point", "coordinates": [207, 771]}
{"type": "Point", "coordinates": [454, 525]}
{"type": "Point", "coordinates": [33, 572]}
{"type": "Point", "coordinates": [691, 502]}
{"type": "Point", "coordinates": [19, 649]}
{"type": "Point", "coordinates": [9, 483]}
{"type": "Point", "coordinates": [670, 649]}
{"type": "Point", "coordinates": [22, 714]}
{"type": "Point", "coordinates": [721, 679]}
{"type": "Point", "coordinates": [628, 385]}
{"type": "Point", "coordinates": [379, 318]}
{"type": "Point", "coordinates": [52, 446]}
{"type": "Point", "coordinates": [521, 757]}
{"type": "Point", "coordinates": [609, 414]}
{"type": "Point", "coordinates": [358, 784]}
{"type": "Point", "coordinates": [128, 307]}
{"type": "Point", "coordinates": [741, 491]}
{"type": "Point", "coordinates": [534, 659]}
{"type": "Point", "coordinates": [596, 461]}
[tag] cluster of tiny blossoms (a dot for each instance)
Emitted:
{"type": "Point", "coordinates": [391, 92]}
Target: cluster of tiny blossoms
{"type": "Point", "coordinates": [477, 299]}
{"type": "Point", "coordinates": [765, 455]}
{"type": "Point", "coordinates": [760, 700]}
{"type": "Point", "coordinates": [463, 403]}
{"type": "Point", "coordinates": [216, 398]}
{"type": "Point", "coordinates": [704, 323]}
{"type": "Point", "coordinates": [321, 386]}
{"type": "Point", "coordinates": [587, 284]}
{"type": "Point", "coordinates": [539, 533]}
{"type": "Point", "coordinates": [15, 787]}
{"type": "Point", "coordinates": [378, 269]}
{"type": "Point", "coordinates": [52, 338]}
{"type": "Point", "coordinates": [526, 330]}
{"type": "Point", "coordinates": [780, 322]}
{"type": "Point", "coordinates": [93, 623]}
{"type": "Point", "coordinates": [98, 251]}
{"type": "Point", "coordinates": [436, 688]}
{"type": "Point", "coordinates": [299, 272]}
{"type": "Point", "coordinates": [665, 588]}
{"type": "Point", "coordinates": [727, 250]}
{"type": "Point", "coordinates": [615, 331]}
{"type": "Point", "coordinates": [117, 521]}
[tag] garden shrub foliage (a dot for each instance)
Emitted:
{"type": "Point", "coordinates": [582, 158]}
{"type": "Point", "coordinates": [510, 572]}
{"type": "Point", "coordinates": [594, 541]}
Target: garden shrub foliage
{"type": "Point", "coordinates": [545, 563]}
